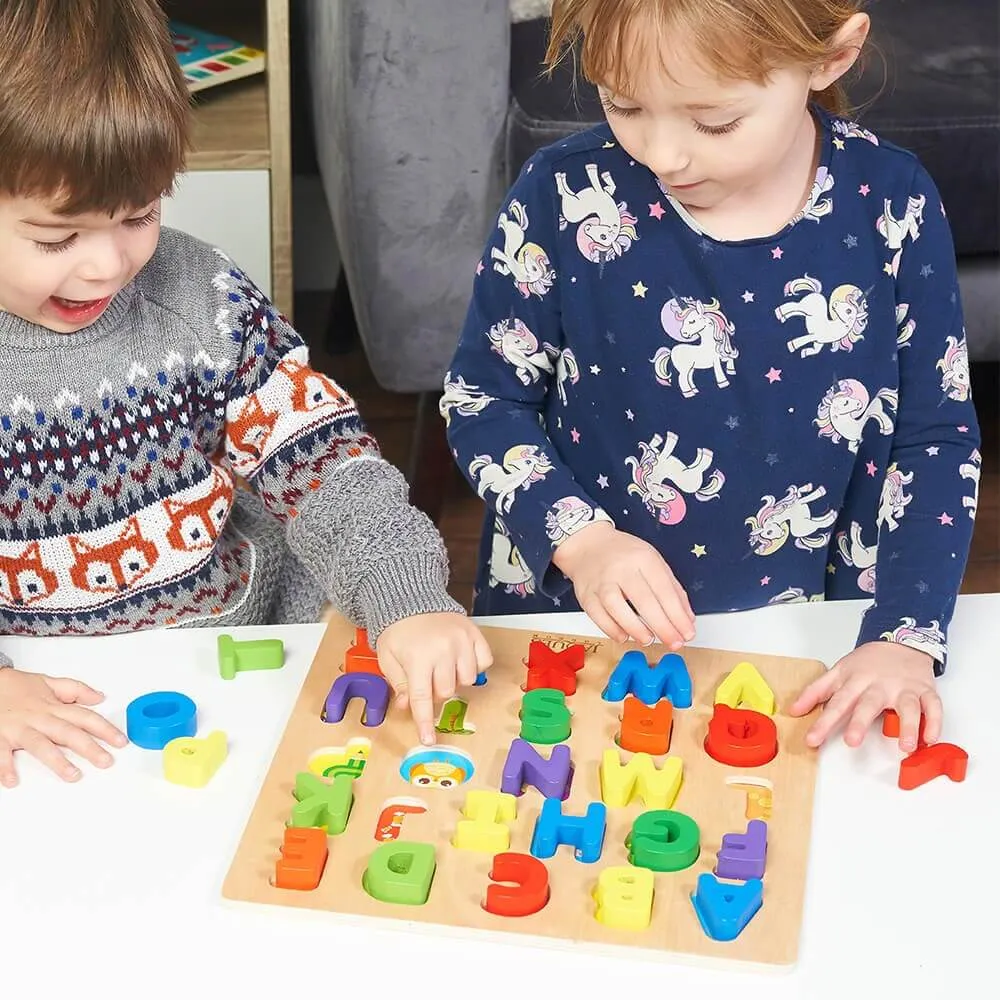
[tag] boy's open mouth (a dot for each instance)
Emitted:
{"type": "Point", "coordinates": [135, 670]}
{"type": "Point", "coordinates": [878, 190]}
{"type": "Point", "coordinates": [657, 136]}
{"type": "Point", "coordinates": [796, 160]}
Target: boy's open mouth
{"type": "Point", "coordinates": [78, 311]}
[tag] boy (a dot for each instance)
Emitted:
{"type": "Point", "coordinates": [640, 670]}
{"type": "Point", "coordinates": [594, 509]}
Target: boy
{"type": "Point", "coordinates": [167, 456]}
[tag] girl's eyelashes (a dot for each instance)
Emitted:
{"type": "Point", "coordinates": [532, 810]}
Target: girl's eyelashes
{"type": "Point", "coordinates": [138, 223]}
{"type": "Point", "coordinates": [614, 109]}
{"type": "Point", "coordinates": [718, 129]}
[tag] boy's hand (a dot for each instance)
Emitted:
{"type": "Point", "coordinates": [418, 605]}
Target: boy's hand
{"type": "Point", "coordinates": [872, 678]}
{"type": "Point", "coordinates": [611, 570]}
{"type": "Point", "coordinates": [41, 714]}
{"type": "Point", "coordinates": [426, 656]}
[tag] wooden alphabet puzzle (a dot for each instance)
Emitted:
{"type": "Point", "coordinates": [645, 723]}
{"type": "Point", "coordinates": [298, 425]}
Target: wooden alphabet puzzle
{"type": "Point", "coordinates": [587, 793]}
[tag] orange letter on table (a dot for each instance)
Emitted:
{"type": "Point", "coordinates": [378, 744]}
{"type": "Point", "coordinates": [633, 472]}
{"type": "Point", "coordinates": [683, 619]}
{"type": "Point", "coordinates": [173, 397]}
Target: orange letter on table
{"type": "Point", "coordinates": [646, 728]}
{"type": "Point", "coordinates": [303, 858]}
{"type": "Point", "coordinates": [528, 894]}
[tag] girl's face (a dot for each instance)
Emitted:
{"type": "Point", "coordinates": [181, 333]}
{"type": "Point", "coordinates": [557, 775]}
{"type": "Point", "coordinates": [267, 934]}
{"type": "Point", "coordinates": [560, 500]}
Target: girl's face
{"type": "Point", "coordinates": [706, 138]}
{"type": "Point", "coordinates": [62, 272]}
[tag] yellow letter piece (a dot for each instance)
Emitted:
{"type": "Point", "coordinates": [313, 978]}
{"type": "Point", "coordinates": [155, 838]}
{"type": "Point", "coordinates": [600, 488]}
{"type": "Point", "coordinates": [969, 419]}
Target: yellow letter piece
{"type": "Point", "coordinates": [485, 825]}
{"type": "Point", "coordinates": [190, 761]}
{"type": "Point", "coordinates": [657, 788]}
{"type": "Point", "coordinates": [624, 897]}
{"type": "Point", "coordinates": [745, 686]}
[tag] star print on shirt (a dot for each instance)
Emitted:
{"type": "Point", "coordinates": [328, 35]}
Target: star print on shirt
{"type": "Point", "coordinates": [864, 190]}
{"type": "Point", "coordinates": [748, 296]}
{"type": "Point", "coordinates": [479, 268]}
{"type": "Point", "coordinates": [732, 423]}
{"type": "Point", "coordinates": [777, 253]}
{"type": "Point", "coordinates": [839, 143]}
{"type": "Point", "coordinates": [962, 430]}
{"type": "Point", "coordinates": [922, 587]}
{"type": "Point", "coordinates": [595, 370]}
{"type": "Point", "coordinates": [946, 519]}
{"type": "Point", "coordinates": [656, 211]}
{"type": "Point", "coordinates": [765, 580]}
{"type": "Point", "coordinates": [609, 337]}
{"type": "Point", "coordinates": [831, 569]}
{"type": "Point", "coordinates": [575, 435]}
{"type": "Point", "coordinates": [630, 415]}
{"type": "Point", "coordinates": [774, 375]}
{"type": "Point", "coordinates": [850, 241]}
{"type": "Point", "coordinates": [926, 271]}
{"type": "Point", "coordinates": [772, 459]}
{"type": "Point", "coordinates": [609, 145]}
{"type": "Point", "coordinates": [698, 551]}
{"type": "Point", "coordinates": [602, 481]}
{"type": "Point", "coordinates": [933, 450]}
{"type": "Point", "coordinates": [871, 468]}
{"type": "Point", "coordinates": [639, 290]}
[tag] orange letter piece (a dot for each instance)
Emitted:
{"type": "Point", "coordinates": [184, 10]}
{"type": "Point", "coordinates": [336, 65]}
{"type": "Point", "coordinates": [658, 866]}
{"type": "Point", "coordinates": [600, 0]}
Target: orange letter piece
{"type": "Point", "coordinates": [527, 896]}
{"type": "Point", "coordinates": [890, 726]}
{"type": "Point", "coordinates": [303, 858]}
{"type": "Point", "coordinates": [741, 738]}
{"type": "Point", "coordinates": [360, 658]}
{"type": "Point", "coordinates": [646, 728]}
{"type": "Point", "coordinates": [926, 763]}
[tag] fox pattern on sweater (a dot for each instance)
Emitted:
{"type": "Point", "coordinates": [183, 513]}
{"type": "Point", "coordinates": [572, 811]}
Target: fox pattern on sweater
{"type": "Point", "coordinates": [785, 419]}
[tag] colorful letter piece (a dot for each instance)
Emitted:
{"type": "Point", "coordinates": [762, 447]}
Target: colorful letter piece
{"type": "Point", "coordinates": [192, 762]}
{"type": "Point", "coordinates": [304, 852]}
{"type": "Point", "coordinates": [322, 804]}
{"type": "Point", "coordinates": [480, 679]}
{"type": "Point", "coordinates": [657, 787]}
{"type": "Point", "coordinates": [400, 872]}
{"type": "Point", "coordinates": [646, 728]}
{"type": "Point", "coordinates": [390, 820]}
{"type": "Point", "coordinates": [745, 686]}
{"type": "Point", "coordinates": [744, 855]}
{"type": "Point", "coordinates": [372, 688]}
{"type": "Point", "coordinates": [585, 834]}
{"type": "Point", "coordinates": [929, 762]}
{"type": "Point", "coordinates": [526, 766]}
{"type": "Point", "coordinates": [624, 897]}
{"type": "Point", "coordinates": [360, 658]}
{"type": "Point", "coordinates": [544, 716]}
{"type": "Point", "coordinates": [663, 840]}
{"type": "Point", "coordinates": [725, 909]}
{"type": "Point", "coordinates": [633, 675]}
{"type": "Point", "coordinates": [154, 719]}
{"type": "Point", "coordinates": [451, 721]}
{"type": "Point", "coordinates": [485, 827]}
{"type": "Point", "coordinates": [741, 738]}
{"type": "Point", "coordinates": [528, 894]}
{"type": "Point", "coordinates": [890, 726]}
{"type": "Point", "coordinates": [550, 669]}
{"type": "Point", "coordinates": [252, 654]}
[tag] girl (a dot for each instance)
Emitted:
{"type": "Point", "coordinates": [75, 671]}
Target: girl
{"type": "Point", "coordinates": [742, 378]}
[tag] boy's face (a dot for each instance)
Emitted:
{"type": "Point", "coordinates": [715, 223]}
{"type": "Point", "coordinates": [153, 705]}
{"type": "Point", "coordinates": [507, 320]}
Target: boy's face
{"type": "Point", "coordinates": [708, 139]}
{"type": "Point", "coordinates": [62, 272]}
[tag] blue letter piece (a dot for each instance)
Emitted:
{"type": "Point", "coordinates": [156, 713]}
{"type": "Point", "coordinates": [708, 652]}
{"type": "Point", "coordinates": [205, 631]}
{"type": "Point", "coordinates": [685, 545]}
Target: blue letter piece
{"type": "Point", "coordinates": [155, 719]}
{"type": "Point", "coordinates": [585, 834]}
{"type": "Point", "coordinates": [633, 675]}
{"type": "Point", "coordinates": [725, 909]}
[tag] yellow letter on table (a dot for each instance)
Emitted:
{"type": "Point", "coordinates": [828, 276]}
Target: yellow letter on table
{"type": "Point", "coordinates": [657, 788]}
{"type": "Point", "coordinates": [745, 686]}
{"type": "Point", "coordinates": [190, 761]}
{"type": "Point", "coordinates": [624, 897]}
{"type": "Point", "coordinates": [485, 827]}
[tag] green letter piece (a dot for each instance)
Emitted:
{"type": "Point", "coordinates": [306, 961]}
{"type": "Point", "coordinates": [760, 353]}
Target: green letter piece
{"type": "Point", "coordinates": [323, 804]}
{"type": "Point", "coordinates": [400, 872]}
{"type": "Point", "coordinates": [544, 716]}
{"type": "Point", "coordinates": [663, 840]}
{"type": "Point", "coordinates": [253, 654]}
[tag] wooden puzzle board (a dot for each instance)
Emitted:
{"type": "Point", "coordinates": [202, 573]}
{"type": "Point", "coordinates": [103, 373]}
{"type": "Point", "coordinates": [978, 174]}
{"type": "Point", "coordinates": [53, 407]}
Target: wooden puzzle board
{"type": "Point", "coordinates": [461, 878]}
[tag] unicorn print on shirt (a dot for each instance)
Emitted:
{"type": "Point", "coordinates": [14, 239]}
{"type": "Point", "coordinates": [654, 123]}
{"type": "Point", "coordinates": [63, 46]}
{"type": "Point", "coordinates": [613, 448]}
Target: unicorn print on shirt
{"type": "Point", "coordinates": [839, 323]}
{"type": "Point", "coordinates": [518, 346]}
{"type": "Point", "coordinates": [817, 206]}
{"type": "Point", "coordinates": [894, 231]}
{"type": "Point", "coordinates": [954, 367]}
{"type": "Point", "coordinates": [848, 406]}
{"type": "Point", "coordinates": [927, 638]}
{"type": "Point", "coordinates": [904, 327]}
{"type": "Point", "coordinates": [606, 228]}
{"type": "Point", "coordinates": [894, 498]}
{"type": "Point", "coordinates": [972, 470]}
{"type": "Point", "coordinates": [466, 399]}
{"type": "Point", "coordinates": [790, 517]}
{"type": "Point", "coordinates": [705, 341]}
{"type": "Point", "coordinates": [525, 262]}
{"type": "Point", "coordinates": [522, 465]}
{"type": "Point", "coordinates": [862, 557]}
{"type": "Point", "coordinates": [569, 515]}
{"type": "Point", "coordinates": [567, 370]}
{"type": "Point", "coordinates": [661, 479]}
{"type": "Point", "coordinates": [507, 567]}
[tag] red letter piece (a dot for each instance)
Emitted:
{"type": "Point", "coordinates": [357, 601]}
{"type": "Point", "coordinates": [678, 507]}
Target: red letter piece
{"type": "Point", "coordinates": [741, 738]}
{"type": "Point", "coordinates": [890, 726]}
{"type": "Point", "coordinates": [926, 763]}
{"type": "Point", "coordinates": [530, 893]}
{"type": "Point", "coordinates": [361, 658]}
{"type": "Point", "coordinates": [303, 858]}
{"type": "Point", "coordinates": [646, 728]}
{"type": "Point", "coordinates": [549, 669]}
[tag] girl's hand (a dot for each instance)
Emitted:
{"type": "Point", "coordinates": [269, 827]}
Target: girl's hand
{"type": "Point", "coordinates": [41, 714]}
{"type": "Point", "coordinates": [861, 685]}
{"type": "Point", "coordinates": [625, 586]}
{"type": "Point", "coordinates": [428, 655]}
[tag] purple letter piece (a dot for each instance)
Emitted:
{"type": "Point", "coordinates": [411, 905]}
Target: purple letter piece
{"type": "Point", "coordinates": [526, 766]}
{"type": "Point", "coordinates": [371, 687]}
{"type": "Point", "coordinates": [742, 855]}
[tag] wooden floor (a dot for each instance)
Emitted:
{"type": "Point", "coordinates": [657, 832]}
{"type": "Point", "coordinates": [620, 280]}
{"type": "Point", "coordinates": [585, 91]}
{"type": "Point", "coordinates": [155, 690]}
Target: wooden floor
{"type": "Point", "coordinates": [390, 417]}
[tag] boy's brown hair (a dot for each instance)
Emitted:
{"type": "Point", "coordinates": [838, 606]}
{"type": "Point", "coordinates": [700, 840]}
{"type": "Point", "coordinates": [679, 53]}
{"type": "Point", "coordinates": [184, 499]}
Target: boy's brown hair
{"type": "Point", "coordinates": [739, 39]}
{"type": "Point", "coordinates": [94, 111]}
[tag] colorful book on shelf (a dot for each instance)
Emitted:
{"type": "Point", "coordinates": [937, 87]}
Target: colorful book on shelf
{"type": "Point", "coordinates": [208, 59]}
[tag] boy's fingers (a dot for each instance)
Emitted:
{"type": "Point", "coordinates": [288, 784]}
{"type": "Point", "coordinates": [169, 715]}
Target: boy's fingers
{"type": "Point", "coordinates": [93, 723]}
{"type": "Point", "coordinates": [392, 671]}
{"type": "Point", "coordinates": [933, 709]}
{"type": "Point", "coordinates": [908, 709]}
{"type": "Point", "coordinates": [68, 691]}
{"type": "Point", "coordinates": [44, 750]}
{"type": "Point", "coordinates": [868, 708]}
{"type": "Point", "coordinates": [484, 655]}
{"type": "Point", "coordinates": [8, 773]}
{"type": "Point", "coordinates": [422, 709]}
{"type": "Point", "coordinates": [466, 668]}
{"type": "Point", "coordinates": [65, 734]}
{"type": "Point", "coordinates": [444, 679]}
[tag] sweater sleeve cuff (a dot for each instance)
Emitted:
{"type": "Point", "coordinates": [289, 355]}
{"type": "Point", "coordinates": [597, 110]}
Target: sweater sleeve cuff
{"type": "Point", "coordinates": [882, 625]}
{"type": "Point", "coordinates": [400, 588]}
{"type": "Point", "coordinates": [5, 661]}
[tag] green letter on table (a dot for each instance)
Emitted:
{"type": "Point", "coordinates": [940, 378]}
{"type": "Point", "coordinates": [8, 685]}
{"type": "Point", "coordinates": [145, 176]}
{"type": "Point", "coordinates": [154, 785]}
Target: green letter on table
{"type": "Point", "coordinates": [400, 872]}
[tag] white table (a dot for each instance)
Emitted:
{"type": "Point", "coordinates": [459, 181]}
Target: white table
{"type": "Point", "coordinates": [113, 883]}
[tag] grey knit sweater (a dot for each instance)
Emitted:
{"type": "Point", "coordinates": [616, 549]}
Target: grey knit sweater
{"type": "Point", "coordinates": [178, 463]}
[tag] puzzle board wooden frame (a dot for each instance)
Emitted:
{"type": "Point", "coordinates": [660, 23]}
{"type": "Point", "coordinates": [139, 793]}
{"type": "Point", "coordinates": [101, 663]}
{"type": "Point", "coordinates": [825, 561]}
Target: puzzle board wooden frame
{"type": "Point", "coordinates": [771, 939]}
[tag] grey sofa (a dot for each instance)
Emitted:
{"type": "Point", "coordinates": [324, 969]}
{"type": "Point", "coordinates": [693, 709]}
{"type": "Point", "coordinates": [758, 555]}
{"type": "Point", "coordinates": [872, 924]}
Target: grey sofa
{"type": "Point", "coordinates": [425, 110]}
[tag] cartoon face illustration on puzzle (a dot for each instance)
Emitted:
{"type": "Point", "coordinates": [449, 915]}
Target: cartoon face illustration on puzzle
{"type": "Point", "coordinates": [437, 767]}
